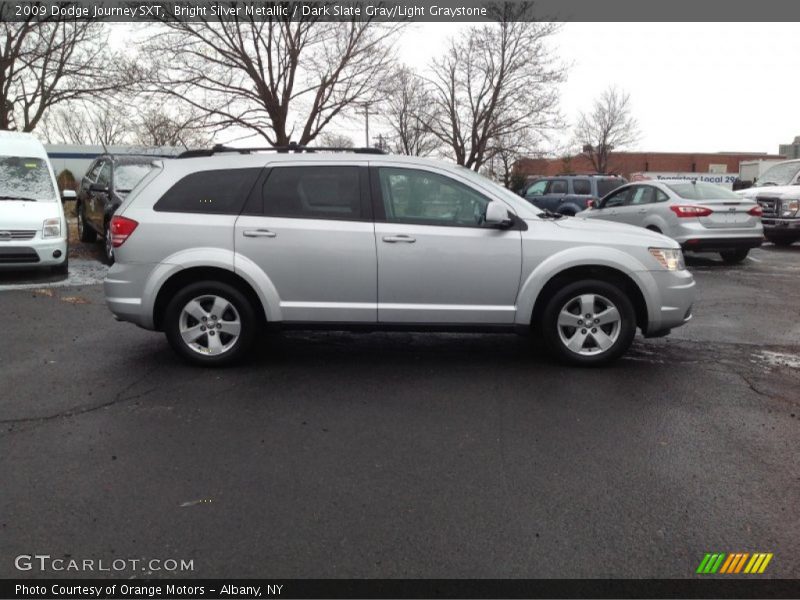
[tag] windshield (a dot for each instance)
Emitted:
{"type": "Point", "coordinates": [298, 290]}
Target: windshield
{"type": "Point", "coordinates": [510, 197]}
{"type": "Point", "coordinates": [780, 174]}
{"type": "Point", "coordinates": [702, 191]}
{"type": "Point", "coordinates": [127, 176]}
{"type": "Point", "coordinates": [26, 179]}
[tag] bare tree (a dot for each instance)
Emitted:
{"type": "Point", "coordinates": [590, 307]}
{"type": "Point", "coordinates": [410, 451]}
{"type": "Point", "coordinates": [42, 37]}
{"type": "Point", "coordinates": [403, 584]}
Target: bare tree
{"type": "Point", "coordinates": [45, 64]}
{"type": "Point", "coordinates": [335, 140]}
{"type": "Point", "coordinates": [159, 127]}
{"type": "Point", "coordinates": [408, 101]}
{"type": "Point", "coordinates": [102, 123]}
{"type": "Point", "coordinates": [493, 82]}
{"type": "Point", "coordinates": [278, 78]}
{"type": "Point", "coordinates": [608, 126]}
{"type": "Point", "coordinates": [505, 153]}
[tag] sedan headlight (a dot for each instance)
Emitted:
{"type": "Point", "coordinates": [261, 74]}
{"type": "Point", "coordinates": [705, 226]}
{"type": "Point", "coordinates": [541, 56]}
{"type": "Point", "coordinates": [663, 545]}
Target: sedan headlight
{"type": "Point", "coordinates": [51, 228]}
{"type": "Point", "coordinates": [790, 208]}
{"type": "Point", "coordinates": [670, 258]}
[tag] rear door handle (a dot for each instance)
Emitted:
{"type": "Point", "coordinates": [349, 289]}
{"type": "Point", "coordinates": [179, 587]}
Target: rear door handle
{"type": "Point", "coordinates": [259, 233]}
{"type": "Point", "coordinates": [394, 239]}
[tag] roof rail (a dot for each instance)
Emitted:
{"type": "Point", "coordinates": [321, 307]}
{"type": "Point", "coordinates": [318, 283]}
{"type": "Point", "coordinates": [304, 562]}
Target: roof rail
{"type": "Point", "coordinates": [292, 147]}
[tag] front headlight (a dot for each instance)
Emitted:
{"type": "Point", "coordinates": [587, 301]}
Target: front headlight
{"type": "Point", "coordinates": [670, 258]}
{"type": "Point", "coordinates": [51, 228]}
{"type": "Point", "coordinates": [790, 208]}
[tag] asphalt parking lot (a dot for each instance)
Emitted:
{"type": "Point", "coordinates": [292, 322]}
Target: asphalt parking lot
{"type": "Point", "coordinates": [403, 455]}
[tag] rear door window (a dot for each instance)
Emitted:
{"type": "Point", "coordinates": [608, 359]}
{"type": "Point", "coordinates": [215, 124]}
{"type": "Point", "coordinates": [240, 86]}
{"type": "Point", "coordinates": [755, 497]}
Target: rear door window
{"type": "Point", "coordinates": [604, 186]}
{"type": "Point", "coordinates": [582, 187]}
{"type": "Point", "coordinates": [221, 191]}
{"type": "Point", "coordinates": [315, 192]}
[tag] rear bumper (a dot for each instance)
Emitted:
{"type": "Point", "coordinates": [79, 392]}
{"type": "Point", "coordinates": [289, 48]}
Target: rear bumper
{"type": "Point", "coordinates": [717, 244]}
{"type": "Point", "coordinates": [126, 291]}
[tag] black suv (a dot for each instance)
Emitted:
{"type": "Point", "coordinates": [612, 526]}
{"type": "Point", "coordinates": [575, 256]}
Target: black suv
{"type": "Point", "coordinates": [103, 188]}
{"type": "Point", "coordinates": [570, 194]}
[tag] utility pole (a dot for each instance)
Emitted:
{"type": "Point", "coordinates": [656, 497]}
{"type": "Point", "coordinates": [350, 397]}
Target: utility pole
{"type": "Point", "coordinates": [366, 115]}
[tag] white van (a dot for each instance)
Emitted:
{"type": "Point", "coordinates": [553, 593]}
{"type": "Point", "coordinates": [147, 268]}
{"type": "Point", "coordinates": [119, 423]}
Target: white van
{"type": "Point", "coordinates": [33, 229]}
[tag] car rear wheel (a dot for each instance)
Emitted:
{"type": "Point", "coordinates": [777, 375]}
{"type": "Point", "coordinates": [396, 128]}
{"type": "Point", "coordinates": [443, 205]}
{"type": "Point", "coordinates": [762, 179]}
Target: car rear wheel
{"type": "Point", "coordinates": [85, 232]}
{"type": "Point", "coordinates": [732, 257]}
{"type": "Point", "coordinates": [210, 323]}
{"type": "Point", "coordinates": [588, 322]}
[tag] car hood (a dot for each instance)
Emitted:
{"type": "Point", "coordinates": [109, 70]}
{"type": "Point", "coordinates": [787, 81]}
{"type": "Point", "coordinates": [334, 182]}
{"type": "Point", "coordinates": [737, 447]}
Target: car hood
{"type": "Point", "coordinates": [15, 214]}
{"type": "Point", "coordinates": [774, 191]}
{"type": "Point", "coordinates": [614, 233]}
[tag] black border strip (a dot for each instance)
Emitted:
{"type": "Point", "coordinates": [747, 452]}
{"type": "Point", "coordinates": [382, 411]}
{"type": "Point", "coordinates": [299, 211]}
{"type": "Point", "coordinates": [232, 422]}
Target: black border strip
{"type": "Point", "coordinates": [733, 587]}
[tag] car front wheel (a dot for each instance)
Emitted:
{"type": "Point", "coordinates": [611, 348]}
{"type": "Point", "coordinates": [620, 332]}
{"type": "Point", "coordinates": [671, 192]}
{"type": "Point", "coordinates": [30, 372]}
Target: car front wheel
{"type": "Point", "coordinates": [210, 323]}
{"type": "Point", "coordinates": [109, 245]}
{"type": "Point", "coordinates": [85, 232]}
{"type": "Point", "coordinates": [588, 322]}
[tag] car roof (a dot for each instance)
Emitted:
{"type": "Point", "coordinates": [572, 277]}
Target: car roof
{"type": "Point", "coordinates": [17, 143]}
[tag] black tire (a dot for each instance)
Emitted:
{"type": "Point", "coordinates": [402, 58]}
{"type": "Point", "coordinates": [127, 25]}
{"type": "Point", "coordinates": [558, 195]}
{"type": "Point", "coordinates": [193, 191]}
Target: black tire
{"type": "Point", "coordinates": [242, 307]}
{"type": "Point", "coordinates": [85, 232]}
{"type": "Point", "coordinates": [108, 248]}
{"type": "Point", "coordinates": [653, 228]}
{"type": "Point", "coordinates": [734, 257]}
{"type": "Point", "coordinates": [590, 354]}
{"type": "Point", "coordinates": [782, 241]}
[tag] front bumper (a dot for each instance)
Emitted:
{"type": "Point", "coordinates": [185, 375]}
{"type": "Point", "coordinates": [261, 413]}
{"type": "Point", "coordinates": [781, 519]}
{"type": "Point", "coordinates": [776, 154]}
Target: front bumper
{"type": "Point", "coordinates": [720, 244]}
{"type": "Point", "coordinates": [671, 302]}
{"type": "Point", "coordinates": [788, 225]}
{"type": "Point", "coordinates": [32, 254]}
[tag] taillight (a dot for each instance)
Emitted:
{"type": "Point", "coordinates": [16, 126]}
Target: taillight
{"type": "Point", "coordinates": [686, 210]}
{"type": "Point", "coordinates": [121, 229]}
{"type": "Point", "coordinates": [755, 211]}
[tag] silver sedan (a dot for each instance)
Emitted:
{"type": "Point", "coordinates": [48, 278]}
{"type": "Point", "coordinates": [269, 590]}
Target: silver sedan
{"type": "Point", "coordinates": [701, 217]}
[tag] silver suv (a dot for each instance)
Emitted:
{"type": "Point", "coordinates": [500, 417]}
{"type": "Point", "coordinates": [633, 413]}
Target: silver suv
{"type": "Point", "coordinates": [211, 248]}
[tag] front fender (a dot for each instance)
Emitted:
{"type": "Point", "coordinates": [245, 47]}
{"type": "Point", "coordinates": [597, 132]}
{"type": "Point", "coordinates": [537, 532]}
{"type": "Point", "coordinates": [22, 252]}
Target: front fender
{"type": "Point", "coordinates": [584, 256]}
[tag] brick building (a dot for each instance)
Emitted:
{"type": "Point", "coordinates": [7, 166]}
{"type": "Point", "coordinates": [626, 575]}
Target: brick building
{"type": "Point", "coordinates": [625, 163]}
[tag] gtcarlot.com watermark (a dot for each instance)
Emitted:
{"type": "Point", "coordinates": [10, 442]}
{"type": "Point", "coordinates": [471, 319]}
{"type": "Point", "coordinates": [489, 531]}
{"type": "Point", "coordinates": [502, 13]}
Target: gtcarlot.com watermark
{"type": "Point", "coordinates": [44, 563]}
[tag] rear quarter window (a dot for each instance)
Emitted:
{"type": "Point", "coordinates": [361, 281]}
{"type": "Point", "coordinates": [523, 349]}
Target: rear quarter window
{"type": "Point", "coordinates": [604, 186]}
{"type": "Point", "coordinates": [221, 192]}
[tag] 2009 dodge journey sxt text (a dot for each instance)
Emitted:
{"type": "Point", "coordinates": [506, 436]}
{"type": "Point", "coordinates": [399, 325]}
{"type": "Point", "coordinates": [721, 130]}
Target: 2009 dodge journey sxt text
{"type": "Point", "coordinates": [209, 248]}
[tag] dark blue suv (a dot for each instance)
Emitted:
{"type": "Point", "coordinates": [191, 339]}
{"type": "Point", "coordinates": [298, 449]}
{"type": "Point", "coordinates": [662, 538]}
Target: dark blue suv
{"type": "Point", "coordinates": [570, 194]}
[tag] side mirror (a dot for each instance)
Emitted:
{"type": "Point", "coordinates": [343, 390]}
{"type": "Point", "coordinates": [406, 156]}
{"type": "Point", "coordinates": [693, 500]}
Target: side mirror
{"type": "Point", "coordinates": [68, 195]}
{"type": "Point", "coordinates": [497, 215]}
{"type": "Point", "coordinates": [98, 187]}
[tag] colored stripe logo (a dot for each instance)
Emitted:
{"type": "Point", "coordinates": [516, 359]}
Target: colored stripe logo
{"type": "Point", "coordinates": [737, 562]}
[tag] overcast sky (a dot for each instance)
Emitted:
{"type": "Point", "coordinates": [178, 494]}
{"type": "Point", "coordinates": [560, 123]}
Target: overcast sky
{"type": "Point", "coordinates": [695, 87]}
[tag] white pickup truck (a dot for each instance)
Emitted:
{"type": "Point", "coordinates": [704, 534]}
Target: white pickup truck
{"type": "Point", "coordinates": [777, 191]}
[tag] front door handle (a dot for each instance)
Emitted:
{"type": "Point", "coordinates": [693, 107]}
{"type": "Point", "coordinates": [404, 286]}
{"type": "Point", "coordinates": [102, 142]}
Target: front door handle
{"type": "Point", "coordinates": [259, 233]}
{"type": "Point", "coordinates": [394, 239]}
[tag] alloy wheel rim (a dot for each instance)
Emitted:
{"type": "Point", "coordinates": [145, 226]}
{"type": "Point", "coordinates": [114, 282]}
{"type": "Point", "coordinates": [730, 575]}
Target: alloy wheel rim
{"type": "Point", "coordinates": [589, 324]}
{"type": "Point", "coordinates": [210, 325]}
{"type": "Point", "coordinates": [80, 221]}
